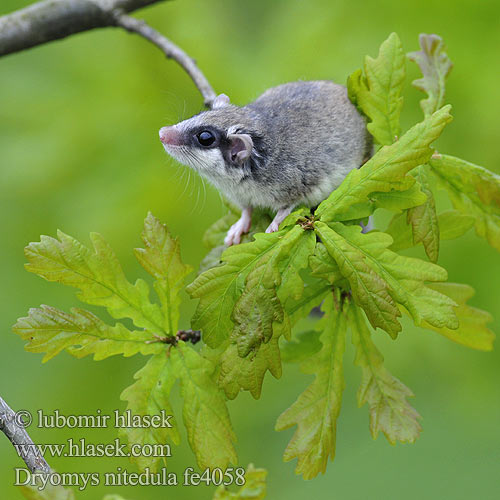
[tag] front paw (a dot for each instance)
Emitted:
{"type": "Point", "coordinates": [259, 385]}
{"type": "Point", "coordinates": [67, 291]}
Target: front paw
{"type": "Point", "coordinates": [273, 227]}
{"type": "Point", "coordinates": [235, 233]}
{"type": "Point", "coordinates": [232, 238]}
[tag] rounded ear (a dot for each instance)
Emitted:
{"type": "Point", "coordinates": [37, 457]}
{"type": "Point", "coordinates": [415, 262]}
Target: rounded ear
{"type": "Point", "coordinates": [220, 101]}
{"type": "Point", "coordinates": [240, 148]}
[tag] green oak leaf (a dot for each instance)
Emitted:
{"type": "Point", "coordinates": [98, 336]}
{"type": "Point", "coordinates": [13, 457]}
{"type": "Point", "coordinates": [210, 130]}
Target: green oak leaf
{"type": "Point", "coordinates": [370, 290]}
{"type": "Point", "coordinates": [385, 395]}
{"type": "Point", "coordinates": [324, 266]}
{"type": "Point", "coordinates": [248, 286]}
{"type": "Point", "coordinates": [247, 374]}
{"type": "Point", "coordinates": [101, 281]}
{"type": "Point", "coordinates": [274, 276]}
{"type": "Point", "coordinates": [293, 257]}
{"type": "Point", "coordinates": [472, 331]}
{"type": "Point", "coordinates": [236, 373]}
{"type": "Point", "coordinates": [380, 278]}
{"type": "Point", "coordinates": [149, 395]}
{"type": "Point", "coordinates": [97, 274]}
{"type": "Point", "coordinates": [423, 218]}
{"type": "Point", "coordinates": [254, 488]}
{"type": "Point", "coordinates": [80, 333]}
{"type": "Point", "coordinates": [407, 277]}
{"type": "Point", "coordinates": [435, 66]}
{"type": "Point", "coordinates": [220, 287]}
{"type": "Point", "coordinates": [474, 191]}
{"type": "Point", "coordinates": [161, 258]}
{"type": "Point", "coordinates": [316, 410]}
{"type": "Point", "coordinates": [378, 93]}
{"type": "Point", "coordinates": [254, 314]}
{"type": "Point", "coordinates": [205, 414]}
{"type": "Point", "coordinates": [387, 169]}
{"type": "Point", "coordinates": [215, 234]}
{"type": "Point", "coordinates": [394, 200]}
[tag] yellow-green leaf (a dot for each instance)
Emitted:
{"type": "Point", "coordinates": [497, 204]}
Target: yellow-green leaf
{"type": "Point", "coordinates": [97, 274]}
{"type": "Point", "coordinates": [435, 66]}
{"type": "Point", "coordinates": [423, 218]}
{"type": "Point", "coordinates": [316, 410]}
{"type": "Point", "coordinates": [274, 276]}
{"type": "Point", "coordinates": [378, 93]}
{"type": "Point", "coordinates": [387, 169]}
{"type": "Point", "coordinates": [385, 395]}
{"type": "Point", "coordinates": [474, 191]}
{"type": "Point", "coordinates": [149, 396]}
{"type": "Point", "coordinates": [376, 272]}
{"type": "Point", "coordinates": [219, 288]}
{"type": "Point", "coordinates": [368, 288]}
{"type": "Point", "coordinates": [205, 414]}
{"type": "Point", "coordinates": [324, 266]}
{"type": "Point", "coordinates": [162, 259]}
{"type": "Point", "coordinates": [472, 330]}
{"type": "Point", "coordinates": [247, 374]}
{"type": "Point", "coordinates": [80, 332]}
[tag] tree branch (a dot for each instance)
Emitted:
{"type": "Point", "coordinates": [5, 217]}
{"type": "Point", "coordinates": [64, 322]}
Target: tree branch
{"type": "Point", "coordinates": [11, 425]}
{"type": "Point", "coordinates": [50, 20]}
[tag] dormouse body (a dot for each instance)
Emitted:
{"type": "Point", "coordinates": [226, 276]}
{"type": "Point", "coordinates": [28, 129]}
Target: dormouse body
{"type": "Point", "coordinates": [293, 145]}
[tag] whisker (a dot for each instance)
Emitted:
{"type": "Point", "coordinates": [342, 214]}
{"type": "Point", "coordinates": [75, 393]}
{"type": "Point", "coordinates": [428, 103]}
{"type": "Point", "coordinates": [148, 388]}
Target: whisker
{"type": "Point", "coordinates": [195, 206]}
{"type": "Point", "coordinates": [204, 193]}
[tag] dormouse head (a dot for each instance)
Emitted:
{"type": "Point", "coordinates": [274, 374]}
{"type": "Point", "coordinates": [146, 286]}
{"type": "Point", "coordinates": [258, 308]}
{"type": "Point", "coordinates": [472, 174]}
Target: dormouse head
{"type": "Point", "coordinates": [220, 143]}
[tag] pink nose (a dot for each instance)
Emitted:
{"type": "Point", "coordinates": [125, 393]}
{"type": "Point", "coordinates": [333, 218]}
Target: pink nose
{"type": "Point", "coordinates": [170, 135]}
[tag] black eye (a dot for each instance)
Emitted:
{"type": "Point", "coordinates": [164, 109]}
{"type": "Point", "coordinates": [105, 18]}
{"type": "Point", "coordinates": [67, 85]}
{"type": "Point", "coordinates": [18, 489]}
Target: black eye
{"type": "Point", "coordinates": [206, 138]}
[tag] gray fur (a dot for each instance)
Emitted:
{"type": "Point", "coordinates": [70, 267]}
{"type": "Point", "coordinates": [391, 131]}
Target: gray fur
{"type": "Point", "coordinates": [304, 138]}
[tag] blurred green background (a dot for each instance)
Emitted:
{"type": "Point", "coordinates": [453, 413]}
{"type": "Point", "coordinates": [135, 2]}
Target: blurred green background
{"type": "Point", "coordinates": [79, 151]}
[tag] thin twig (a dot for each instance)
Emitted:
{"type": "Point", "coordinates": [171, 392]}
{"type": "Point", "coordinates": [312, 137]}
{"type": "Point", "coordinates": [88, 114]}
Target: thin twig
{"type": "Point", "coordinates": [11, 424]}
{"type": "Point", "coordinates": [171, 50]}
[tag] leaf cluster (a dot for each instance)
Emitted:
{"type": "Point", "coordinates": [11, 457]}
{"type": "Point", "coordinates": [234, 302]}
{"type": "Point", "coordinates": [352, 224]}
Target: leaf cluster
{"type": "Point", "coordinates": [99, 278]}
{"type": "Point", "coordinates": [251, 297]}
{"type": "Point", "coordinates": [250, 301]}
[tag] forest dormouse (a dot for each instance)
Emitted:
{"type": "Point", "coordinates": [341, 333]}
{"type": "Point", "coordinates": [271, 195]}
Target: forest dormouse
{"type": "Point", "coordinates": [293, 145]}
